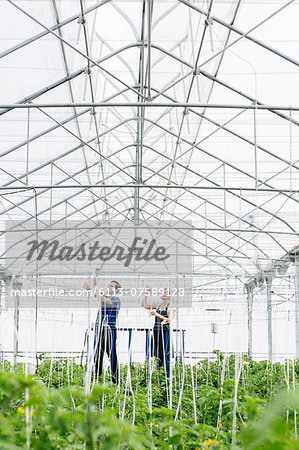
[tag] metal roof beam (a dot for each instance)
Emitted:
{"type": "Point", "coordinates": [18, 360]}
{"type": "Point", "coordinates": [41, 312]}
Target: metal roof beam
{"type": "Point", "coordinates": [72, 46]}
{"type": "Point", "coordinates": [77, 193]}
{"type": "Point", "coordinates": [140, 118]}
{"type": "Point", "coordinates": [53, 28]}
{"type": "Point", "coordinates": [209, 180]}
{"type": "Point", "coordinates": [43, 133]}
{"type": "Point", "coordinates": [92, 93]}
{"type": "Point", "coordinates": [257, 103]}
{"type": "Point", "coordinates": [66, 154]}
{"type": "Point", "coordinates": [241, 33]}
{"type": "Point", "coordinates": [66, 68]}
{"type": "Point", "coordinates": [228, 164]}
{"type": "Point", "coordinates": [205, 218]}
{"type": "Point", "coordinates": [76, 73]}
{"type": "Point", "coordinates": [152, 105]}
{"type": "Point", "coordinates": [195, 251]}
{"type": "Point", "coordinates": [217, 186]}
{"type": "Point", "coordinates": [220, 126]}
{"type": "Point", "coordinates": [62, 181]}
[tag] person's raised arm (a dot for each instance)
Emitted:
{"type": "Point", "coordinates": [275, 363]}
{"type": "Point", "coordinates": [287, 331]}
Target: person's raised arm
{"type": "Point", "coordinates": [145, 303]}
{"type": "Point", "coordinates": [95, 284]}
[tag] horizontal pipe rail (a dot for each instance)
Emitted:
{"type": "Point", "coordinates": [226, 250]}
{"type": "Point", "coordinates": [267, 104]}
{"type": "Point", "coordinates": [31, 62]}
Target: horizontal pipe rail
{"type": "Point", "coordinates": [149, 105]}
{"type": "Point", "coordinates": [148, 186]}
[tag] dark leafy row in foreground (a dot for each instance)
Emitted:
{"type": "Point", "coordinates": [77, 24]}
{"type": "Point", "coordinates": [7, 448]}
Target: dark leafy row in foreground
{"type": "Point", "coordinates": [50, 410]}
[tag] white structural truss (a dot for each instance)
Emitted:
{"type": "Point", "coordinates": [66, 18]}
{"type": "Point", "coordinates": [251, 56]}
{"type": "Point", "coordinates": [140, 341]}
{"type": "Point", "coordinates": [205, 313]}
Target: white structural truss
{"type": "Point", "coordinates": [164, 110]}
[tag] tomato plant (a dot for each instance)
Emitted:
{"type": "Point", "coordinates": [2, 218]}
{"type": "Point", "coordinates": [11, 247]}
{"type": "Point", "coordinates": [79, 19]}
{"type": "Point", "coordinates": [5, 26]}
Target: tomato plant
{"type": "Point", "coordinates": [50, 409]}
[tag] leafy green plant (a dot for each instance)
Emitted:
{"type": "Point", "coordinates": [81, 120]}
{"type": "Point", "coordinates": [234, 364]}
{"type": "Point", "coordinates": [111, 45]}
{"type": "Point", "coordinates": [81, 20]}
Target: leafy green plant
{"type": "Point", "coordinates": [52, 410]}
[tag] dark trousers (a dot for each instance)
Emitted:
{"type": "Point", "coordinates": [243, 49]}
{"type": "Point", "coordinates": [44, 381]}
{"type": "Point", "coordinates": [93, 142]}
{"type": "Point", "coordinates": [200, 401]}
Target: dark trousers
{"type": "Point", "coordinates": [161, 347]}
{"type": "Point", "coordinates": [106, 343]}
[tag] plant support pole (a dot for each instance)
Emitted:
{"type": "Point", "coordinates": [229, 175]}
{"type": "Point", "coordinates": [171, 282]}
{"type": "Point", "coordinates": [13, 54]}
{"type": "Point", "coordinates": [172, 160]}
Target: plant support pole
{"type": "Point", "coordinates": [16, 325]}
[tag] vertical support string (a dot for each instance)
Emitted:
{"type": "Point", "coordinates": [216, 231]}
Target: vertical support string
{"type": "Point", "coordinates": [238, 365]}
{"type": "Point", "coordinates": [170, 368]}
{"type": "Point", "coordinates": [194, 395]}
{"type": "Point", "coordinates": [294, 390]}
{"type": "Point", "coordinates": [27, 146]}
{"type": "Point", "coordinates": [27, 411]}
{"type": "Point", "coordinates": [36, 279]}
{"type": "Point", "coordinates": [255, 146]}
{"type": "Point", "coordinates": [221, 392]}
{"type": "Point", "coordinates": [181, 389]}
{"type": "Point", "coordinates": [129, 384]}
{"type": "Point", "coordinates": [287, 380]}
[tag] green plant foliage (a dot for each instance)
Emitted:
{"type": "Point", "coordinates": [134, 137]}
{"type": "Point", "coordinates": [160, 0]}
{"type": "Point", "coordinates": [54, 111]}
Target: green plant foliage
{"type": "Point", "coordinates": [50, 409]}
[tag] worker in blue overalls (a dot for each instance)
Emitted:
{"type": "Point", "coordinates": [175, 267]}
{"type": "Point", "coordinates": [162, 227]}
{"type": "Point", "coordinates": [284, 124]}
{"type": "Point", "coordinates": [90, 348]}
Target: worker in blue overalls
{"type": "Point", "coordinates": [105, 330]}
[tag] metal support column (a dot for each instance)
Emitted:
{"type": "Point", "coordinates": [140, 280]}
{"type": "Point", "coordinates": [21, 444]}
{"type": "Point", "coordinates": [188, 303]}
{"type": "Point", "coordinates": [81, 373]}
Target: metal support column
{"type": "Point", "coordinates": [16, 286]}
{"type": "Point", "coordinates": [177, 305]}
{"type": "Point", "coordinates": [249, 290]}
{"type": "Point", "coordinates": [1, 289]}
{"type": "Point", "coordinates": [297, 304]}
{"type": "Point", "coordinates": [140, 123]}
{"type": "Point", "coordinates": [269, 313]}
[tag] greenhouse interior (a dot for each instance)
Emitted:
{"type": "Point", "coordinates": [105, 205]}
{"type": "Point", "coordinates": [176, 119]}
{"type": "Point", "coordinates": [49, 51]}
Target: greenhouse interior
{"type": "Point", "coordinates": [149, 214]}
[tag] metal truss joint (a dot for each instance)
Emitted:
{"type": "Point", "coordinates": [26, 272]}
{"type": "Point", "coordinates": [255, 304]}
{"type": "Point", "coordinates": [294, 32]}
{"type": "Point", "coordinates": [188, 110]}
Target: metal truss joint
{"type": "Point", "coordinates": [81, 20]}
{"type": "Point", "coordinates": [209, 21]}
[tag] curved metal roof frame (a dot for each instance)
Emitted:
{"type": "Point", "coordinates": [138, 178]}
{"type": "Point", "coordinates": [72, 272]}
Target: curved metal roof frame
{"type": "Point", "coordinates": [169, 145]}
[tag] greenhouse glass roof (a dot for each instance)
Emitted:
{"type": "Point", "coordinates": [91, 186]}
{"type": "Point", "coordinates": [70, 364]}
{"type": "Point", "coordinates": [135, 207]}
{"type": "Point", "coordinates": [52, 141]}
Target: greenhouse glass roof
{"type": "Point", "coordinates": [156, 110]}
